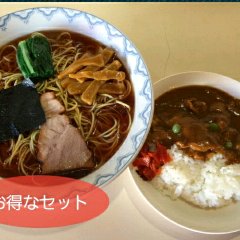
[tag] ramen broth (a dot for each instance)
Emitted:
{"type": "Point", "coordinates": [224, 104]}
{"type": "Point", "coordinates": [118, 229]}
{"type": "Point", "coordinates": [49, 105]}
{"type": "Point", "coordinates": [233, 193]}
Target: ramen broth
{"type": "Point", "coordinates": [100, 156]}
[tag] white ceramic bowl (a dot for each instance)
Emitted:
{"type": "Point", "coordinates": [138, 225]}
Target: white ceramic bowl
{"type": "Point", "coordinates": [222, 220]}
{"type": "Point", "coordinates": [27, 21]}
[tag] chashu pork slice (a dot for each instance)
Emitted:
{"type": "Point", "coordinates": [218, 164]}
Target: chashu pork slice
{"type": "Point", "coordinates": [51, 105]}
{"type": "Point", "coordinates": [60, 145]}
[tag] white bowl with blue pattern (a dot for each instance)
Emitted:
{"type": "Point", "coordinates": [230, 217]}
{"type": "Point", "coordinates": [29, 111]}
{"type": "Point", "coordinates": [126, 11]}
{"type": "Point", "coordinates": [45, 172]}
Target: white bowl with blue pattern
{"type": "Point", "coordinates": [26, 21]}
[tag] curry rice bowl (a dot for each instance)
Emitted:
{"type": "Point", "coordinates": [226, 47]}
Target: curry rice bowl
{"type": "Point", "coordinates": [209, 183]}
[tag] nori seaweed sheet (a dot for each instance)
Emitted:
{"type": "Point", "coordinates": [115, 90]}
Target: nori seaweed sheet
{"type": "Point", "coordinates": [20, 111]}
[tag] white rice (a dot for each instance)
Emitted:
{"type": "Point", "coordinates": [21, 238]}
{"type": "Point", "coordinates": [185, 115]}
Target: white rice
{"type": "Point", "coordinates": [205, 184]}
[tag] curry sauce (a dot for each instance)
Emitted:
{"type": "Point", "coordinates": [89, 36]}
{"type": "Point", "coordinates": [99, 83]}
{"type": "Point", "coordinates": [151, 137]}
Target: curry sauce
{"type": "Point", "coordinates": [200, 120]}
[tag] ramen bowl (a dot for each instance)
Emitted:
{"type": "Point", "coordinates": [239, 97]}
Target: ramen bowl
{"type": "Point", "coordinates": [17, 24]}
{"type": "Point", "coordinates": [155, 205]}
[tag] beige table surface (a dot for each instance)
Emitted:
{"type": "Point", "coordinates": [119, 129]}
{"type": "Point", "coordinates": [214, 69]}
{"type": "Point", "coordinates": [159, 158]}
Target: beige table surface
{"type": "Point", "coordinates": [173, 38]}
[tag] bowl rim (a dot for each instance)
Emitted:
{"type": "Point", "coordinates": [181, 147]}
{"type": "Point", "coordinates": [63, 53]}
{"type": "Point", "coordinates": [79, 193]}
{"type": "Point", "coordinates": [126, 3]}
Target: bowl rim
{"type": "Point", "coordinates": [194, 72]}
{"type": "Point", "coordinates": [131, 168]}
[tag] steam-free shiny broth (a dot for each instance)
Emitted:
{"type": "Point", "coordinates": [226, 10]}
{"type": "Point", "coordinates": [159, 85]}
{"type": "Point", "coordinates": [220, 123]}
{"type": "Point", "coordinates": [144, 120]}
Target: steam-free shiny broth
{"type": "Point", "coordinates": [87, 45]}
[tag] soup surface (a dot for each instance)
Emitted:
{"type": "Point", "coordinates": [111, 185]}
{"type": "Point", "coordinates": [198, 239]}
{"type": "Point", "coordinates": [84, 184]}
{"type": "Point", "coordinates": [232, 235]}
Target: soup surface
{"type": "Point", "coordinates": [102, 123]}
